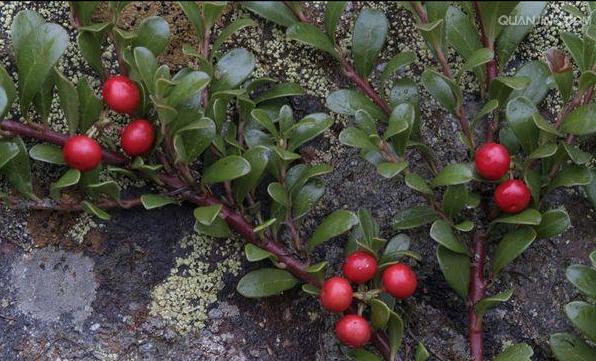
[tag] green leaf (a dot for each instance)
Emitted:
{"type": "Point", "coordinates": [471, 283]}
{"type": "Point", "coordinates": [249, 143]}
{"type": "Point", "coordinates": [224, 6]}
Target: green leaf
{"type": "Point", "coordinates": [519, 114]}
{"type": "Point", "coordinates": [589, 189]}
{"type": "Point", "coordinates": [85, 10]}
{"type": "Point", "coordinates": [42, 101]}
{"type": "Point", "coordinates": [395, 247]}
{"type": "Point", "coordinates": [577, 155]}
{"type": "Point", "coordinates": [490, 12]}
{"type": "Point", "coordinates": [583, 278]}
{"type": "Point", "coordinates": [539, 75]}
{"type": "Point", "coordinates": [193, 13]}
{"type": "Point", "coordinates": [465, 226]}
{"type": "Point", "coordinates": [274, 11]}
{"type": "Point", "coordinates": [90, 105]}
{"type": "Point", "coordinates": [454, 199]}
{"type": "Point", "coordinates": [94, 210]}
{"type": "Point", "coordinates": [279, 194]}
{"type": "Point", "coordinates": [308, 196]}
{"type": "Point", "coordinates": [395, 333]}
{"type": "Point", "coordinates": [572, 175]}
{"type": "Point", "coordinates": [255, 254]}
{"type": "Point", "coordinates": [414, 217]}
{"type": "Point", "coordinates": [68, 179]}
{"type": "Point", "coordinates": [404, 91]}
{"type": "Point", "coordinates": [456, 270]}
{"type": "Point", "coordinates": [310, 289]}
{"type": "Point", "coordinates": [152, 201]}
{"type": "Point", "coordinates": [47, 153]}
{"type": "Point", "coordinates": [513, 244]}
{"type": "Point", "coordinates": [147, 66]}
{"type": "Point", "coordinates": [189, 85]}
{"type": "Point", "coordinates": [492, 301]}
{"type": "Point", "coordinates": [153, 33]}
{"type": "Point", "coordinates": [398, 61]}
{"type": "Point", "coordinates": [10, 92]}
{"type": "Point", "coordinates": [567, 347]}
{"type": "Point", "coordinates": [18, 169]}
{"type": "Point", "coordinates": [264, 120]}
{"type": "Point", "coordinates": [8, 150]}
{"type": "Point", "coordinates": [478, 57]}
{"type": "Point", "coordinates": [355, 137]}
{"type": "Point", "coordinates": [422, 353]}
{"type": "Point", "coordinates": [348, 102]}
{"type": "Point", "coordinates": [90, 47]}
{"type": "Point", "coordinates": [368, 38]}
{"type": "Point", "coordinates": [529, 216]}
{"type": "Point", "coordinates": [265, 282]}
{"type": "Point", "coordinates": [228, 31]}
{"type": "Point", "coordinates": [520, 351]}
{"type": "Point", "coordinates": [554, 222]}
{"type": "Point", "coordinates": [512, 35]}
{"type": "Point", "coordinates": [379, 314]}
{"type": "Point", "coordinates": [417, 183]}
{"type": "Point", "coordinates": [69, 101]}
{"type": "Point", "coordinates": [225, 169]}
{"type": "Point", "coordinates": [583, 317]}
{"type": "Point", "coordinates": [207, 215]}
{"type": "Point", "coordinates": [333, 225]}
{"type": "Point", "coordinates": [440, 88]}
{"type": "Point", "coordinates": [402, 117]}
{"type": "Point", "coordinates": [38, 46]}
{"type": "Point", "coordinates": [390, 170]}
{"type": "Point", "coordinates": [501, 87]}
{"type": "Point", "coordinates": [24, 23]}
{"type": "Point", "coordinates": [586, 80]}
{"type": "Point", "coordinates": [233, 69]}
{"type": "Point", "coordinates": [544, 125]}
{"type": "Point", "coordinates": [308, 128]}
{"type": "Point", "coordinates": [461, 33]}
{"type": "Point", "coordinates": [361, 354]}
{"type": "Point", "coordinates": [581, 121]}
{"type": "Point", "coordinates": [333, 12]}
{"type": "Point", "coordinates": [282, 90]}
{"type": "Point", "coordinates": [453, 174]}
{"type": "Point", "coordinates": [110, 188]}
{"type": "Point", "coordinates": [310, 34]}
{"type": "Point", "coordinates": [258, 157]}
{"type": "Point", "coordinates": [442, 232]}
{"type": "Point", "coordinates": [218, 229]}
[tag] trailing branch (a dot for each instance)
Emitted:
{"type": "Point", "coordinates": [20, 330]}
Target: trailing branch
{"type": "Point", "coordinates": [69, 206]}
{"type": "Point", "coordinates": [476, 292]}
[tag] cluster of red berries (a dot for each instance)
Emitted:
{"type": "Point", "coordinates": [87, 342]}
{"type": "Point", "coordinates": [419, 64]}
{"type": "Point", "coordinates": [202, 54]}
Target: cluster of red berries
{"type": "Point", "coordinates": [492, 162]}
{"type": "Point", "coordinates": [337, 295]}
{"type": "Point", "coordinates": [121, 95]}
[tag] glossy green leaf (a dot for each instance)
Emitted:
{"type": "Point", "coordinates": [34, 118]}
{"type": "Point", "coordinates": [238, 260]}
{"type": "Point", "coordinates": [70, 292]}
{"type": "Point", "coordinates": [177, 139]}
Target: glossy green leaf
{"type": "Point", "coordinates": [255, 254]}
{"type": "Point", "coordinates": [109, 188]}
{"type": "Point", "coordinates": [583, 278]}
{"type": "Point", "coordinates": [414, 217]}
{"type": "Point", "coordinates": [218, 229]}
{"type": "Point", "coordinates": [9, 92]}
{"type": "Point", "coordinates": [422, 353]}
{"type": "Point", "coordinates": [390, 170]}
{"type": "Point", "coordinates": [529, 216]}
{"type": "Point", "coordinates": [346, 101]}
{"type": "Point", "coordinates": [456, 270]}
{"type": "Point", "coordinates": [395, 247]}
{"type": "Point", "coordinates": [442, 232]}
{"type": "Point", "coordinates": [554, 222]}
{"type": "Point", "coordinates": [417, 183]}
{"type": "Point", "coordinates": [152, 201]}
{"type": "Point", "coordinates": [258, 157]}
{"type": "Point", "coordinates": [206, 215]}
{"type": "Point", "coordinates": [394, 64]}
{"type": "Point", "coordinates": [94, 210]}
{"type": "Point", "coordinates": [454, 199]}
{"type": "Point", "coordinates": [18, 168]}
{"type": "Point", "coordinates": [193, 139]}
{"type": "Point", "coordinates": [8, 150]}
{"type": "Point", "coordinates": [274, 11]}
{"type": "Point", "coordinates": [572, 175]}
{"type": "Point", "coordinates": [577, 155]}
{"type": "Point", "coordinates": [189, 85]}
{"type": "Point", "coordinates": [355, 137]}
{"type": "Point", "coordinates": [462, 35]}
{"type": "Point", "coordinates": [308, 196]}
{"type": "Point", "coordinates": [379, 314]}
{"type": "Point", "coordinates": [368, 38]}
{"type": "Point", "coordinates": [501, 87]}
{"type": "Point", "coordinates": [266, 282]}
{"type": "Point", "coordinates": [453, 174]}
{"type": "Point", "coordinates": [478, 58]}
{"type": "Point", "coordinates": [282, 90]}
{"type": "Point", "coordinates": [69, 101]}
{"type": "Point", "coordinates": [401, 118]}
{"type": "Point", "coordinates": [465, 226]}
{"type": "Point", "coordinates": [439, 87]}
{"type": "Point", "coordinates": [567, 347]}
{"type": "Point", "coordinates": [492, 301]}
{"type": "Point", "coordinates": [68, 179]}
{"type": "Point", "coordinates": [90, 47]}
{"type": "Point", "coordinates": [395, 334]}
{"type": "Point", "coordinates": [308, 128]}
{"type": "Point", "coordinates": [539, 75]}
{"type": "Point", "coordinates": [233, 69]}
{"type": "Point", "coordinates": [490, 12]}
{"type": "Point", "coordinates": [225, 169]}
{"type": "Point", "coordinates": [519, 114]}
{"type": "Point", "coordinates": [279, 194]}
{"type": "Point", "coordinates": [90, 105]}
{"type": "Point", "coordinates": [404, 90]}
{"type": "Point", "coordinates": [146, 64]}
{"type": "Point", "coordinates": [581, 121]}
{"type": "Point", "coordinates": [520, 351]}
{"type": "Point", "coordinates": [513, 244]}
{"type": "Point", "coordinates": [333, 225]}
{"type": "Point", "coordinates": [544, 125]}
{"type": "Point", "coordinates": [153, 33]}
{"type": "Point", "coordinates": [583, 317]}
{"type": "Point", "coordinates": [47, 153]}
{"type": "Point", "coordinates": [333, 12]}
{"type": "Point", "coordinates": [311, 35]}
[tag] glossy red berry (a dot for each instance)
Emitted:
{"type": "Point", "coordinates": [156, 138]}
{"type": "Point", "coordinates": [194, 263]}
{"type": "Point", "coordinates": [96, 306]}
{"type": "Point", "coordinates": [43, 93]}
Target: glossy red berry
{"type": "Point", "coordinates": [353, 331]}
{"type": "Point", "coordinates": [399, 281]}
{"type": "Point", "coordinates": [492, 161]}
{"type": "Point", "coordinates": [121, 94]}
{"type": "Point", "coordinates": [512, 196]}
{"type": "Point", "coordinates": [82, 153]}
{"type": "Point", "coordinates": [360, 267]}
{"type": "Point", "coordinates": [336, 294]}
{"type": "Point", "coordinates": [137, 137]}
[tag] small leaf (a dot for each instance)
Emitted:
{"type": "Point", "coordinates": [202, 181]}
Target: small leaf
{"type": "Point", "coordinates": [333, 12]}
{"type": "Point", "coordinates": [109, 188]}
{"type": "Point", "coordinates": [489, 302]}
{"type": "Point", "coordinates": [333, 225]}
{"type": "Point", "coordinates": [583, 278]}
{"type": "Point", "coordinates": [581, 121]}
{"type": "Point", "coordinates": [265, 282]}
{"type": "Point", "coordinates": [308, 128]}
{"type": "Point", "coordinates": [401, 118]}
{"type": "Point", "coordinates": [47, 153]}
{"type": "Point", "coordinates": [398, 61]}
{"type": "Point", "coordinates": [279, 194]}
{"type": "Point", "coordinates": [379, 313]}
{"type": "Point", "coordinates": [577, 155]}
{"type": "Point", "coordinates": [456, 270]}
{"type": "Point", "coordinates": [368, 38]}
{"type": "Point", "coordinates": [554, 222]}
{"type": "Point", "coordinates": [152, 201]}
{"type": "Point", "coordinates": [518, 352]}
{"type": "Point", "coordinates": [282, 90]}
{"type": "Point", "coordinates": [308, 196]}
{"type": "Point", "coordinates": [225, 169]}
{"type": "Point", "coordinates": [414, 217]}
{"type": "Point", "coordinates": [487, 108]}
{"type": "Point", "coordinates": [90, 106]}
{"type": "Point", "coordinates": [69, 101]}
{"type": "Point", "coordinates": [233, 69]}
{"type": "Point", "coordinates": [519, 114]}
{"type": "Point", "coordinates": [422, 353]}
{"type": "Point", "coordinates": [465, 226]}
{"type": "Point", "coordinates": [355, 137]}
{"type": "Point", "coordinates": [440, 88]}
{"type": "Point", "coordinates": [258, 157]}
{"type": "Point", "coordinates": [68, 179]}
{"type": "Point", "coordinates": [454, 199]}
{"type": "Point", "coordinates": [9, 91]}
{"type": "Point", "coordinates": [441, 232]}
{"type": "Point", "coordinates": [453, 174]}
{"type": "Point", "coordinates": [94, 210]}
{"type": "Point", "coordinates": [17, 168]}
{"type": "Point", "coordinates": [390, 170]}
{"type": "Point", "coordinates": [255, 254]}
{"type": "Point", "coordinates": [539, 75]}
{"type": "Point", "coordinates": [501, 87]}
{"type": "Point", "coordinates": [544, 151]}
{"type": "Point", "coordinates": [310, 289]}
{"type": "Point", "coordinates": [310, 34]}
{"type": "Point", "coordinates": [571, 175]}
{"type": "Point", "coordinates": [395, 247]}
{"type": "Point", "coordinates": [529, 216]}
{"type": "Point", "coordinates": [207, 215]}
{"type": "Point", "coordinates": [417, 183]}
{"type": "Point", "coordinates": [189, 85]}
{"type": "Point", "coordinates": [8, 150]}
{"type": "Point", "coordinates": [567, 347]}
{"type": "Point", "coordinates": [153, 33]}
{"type": "Point", "coordinates": [583, 317]}
{"type": "Point", "coordinates": [544, 125]}
{"type": "Point", "coordinates": [395, 333]}
{"type": "Point", "coordinates": [90, 48]}
{"type": "Point", "coordinates": [512, 245]}
{"type": "Point", "coordinates": [274, 11]}
{"type": "Point", "coordinates": [478, 57]}
{"type": "Point", "coordinates": [348, 102]}
{"type": "Point", "coordinates": [265, 225]}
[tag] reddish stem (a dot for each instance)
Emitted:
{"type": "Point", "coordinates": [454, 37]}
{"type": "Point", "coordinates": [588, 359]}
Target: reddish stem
{"type": "Point", "coordinates": [364, 85]}
{"type": "Point", "coordinates": [299, 14]}
{"type": "Point", "coordinates": [476, 292]}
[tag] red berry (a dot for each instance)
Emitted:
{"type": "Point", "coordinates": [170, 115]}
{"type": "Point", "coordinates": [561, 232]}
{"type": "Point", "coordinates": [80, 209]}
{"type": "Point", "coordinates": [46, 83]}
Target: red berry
{"type": "Point", "coordinates": [121, 94]}
{"type": "Point", "coordinates": [360, 267]}
{"type": "Point", "coordinates": [82, 153]}
{"type": "Point", "coordinates": [353, 331]}
{"type": "Point", "coordinates": [512, 196]}
{"type": "Point", "coordinates": [137, 137]}
{"type": "Point", "coordinates": [399, 281]}
{"type": "Point", "coordinates": [336, 294]}
{"type": "Point", "coordinates": [492, 161]}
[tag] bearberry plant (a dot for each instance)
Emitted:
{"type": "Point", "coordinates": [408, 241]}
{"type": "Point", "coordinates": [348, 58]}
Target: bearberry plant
{"type": "Point", "coordinates": [516, 153]}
